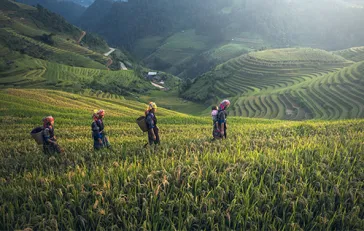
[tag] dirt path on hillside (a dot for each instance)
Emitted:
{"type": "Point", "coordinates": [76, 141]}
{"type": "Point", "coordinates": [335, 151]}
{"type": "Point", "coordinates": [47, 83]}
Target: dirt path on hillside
{"type": "Point", "coordinates": [109, 62]}
{"type": "Point", "coordinates": [123, 67]}
{"type": "Point", "coordinates": [111, 51]}
{"type": "Point", "coordinates": [156, 85]}
{"type": "Point", "coordinates": [82, 35]}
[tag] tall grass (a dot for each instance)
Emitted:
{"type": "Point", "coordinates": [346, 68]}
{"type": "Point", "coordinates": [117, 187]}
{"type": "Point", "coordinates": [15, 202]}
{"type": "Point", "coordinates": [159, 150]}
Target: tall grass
{"type": "Point", "coordinates": [268, 175]}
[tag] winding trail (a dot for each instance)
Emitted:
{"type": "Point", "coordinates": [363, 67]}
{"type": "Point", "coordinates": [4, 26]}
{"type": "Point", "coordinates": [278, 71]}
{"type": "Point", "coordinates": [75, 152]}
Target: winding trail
{"type": "Point", "coordinates": [123, 67]}
{"type": "Point", "coordinates": [156, 85]}
{"type": "Point", "coordinates": [111, 51]}
{"type": "Point", "coordinates": [83, 33]}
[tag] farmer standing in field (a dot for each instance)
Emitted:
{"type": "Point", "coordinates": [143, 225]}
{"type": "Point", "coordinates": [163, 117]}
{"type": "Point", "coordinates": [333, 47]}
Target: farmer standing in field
{"type": "Point", "coordinates": [151, 121]}
{"type": "Point", "coordinates": [98, 132]}
{"type": "Point", "coordinates": [221, 118]}
{"type": "Point", "coordinates": [50, 145]}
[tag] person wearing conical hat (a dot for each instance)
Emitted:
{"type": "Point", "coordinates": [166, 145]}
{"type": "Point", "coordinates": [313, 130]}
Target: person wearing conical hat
{"type": "Point", "coordinates": [98, 132]}
{"type": "Point", "coordinates": [151, 121]}
{"type": "Point", "coordinates": [50, 145]}
{"type": "Point", "coordinates": [221, 117]}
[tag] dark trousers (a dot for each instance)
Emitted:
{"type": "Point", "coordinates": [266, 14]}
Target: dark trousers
{"type": "Point", "coordinates": [105, 143]}
{"type": "Point", "coordinates": [150, 136]}
{"type": "Point", "coordinates": [216, 132]}
{"type": "Point", "coordinates": [225, 131]}
{"type": "Point", "coordinates": [51, 148]}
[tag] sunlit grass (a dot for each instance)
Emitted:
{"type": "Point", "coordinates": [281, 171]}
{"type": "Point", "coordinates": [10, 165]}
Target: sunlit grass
{"type": "Point", "coordinates": [268, 175]}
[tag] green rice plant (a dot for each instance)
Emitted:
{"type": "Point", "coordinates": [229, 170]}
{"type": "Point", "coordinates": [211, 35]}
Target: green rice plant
{"type": "Point", "coordinates": [268, 174]}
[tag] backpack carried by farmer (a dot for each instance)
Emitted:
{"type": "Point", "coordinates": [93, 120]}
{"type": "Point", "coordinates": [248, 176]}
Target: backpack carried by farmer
{"type": "Point", "coordinates": [37, 135]}
{"type": "Point", "coordinates": [141, 121]}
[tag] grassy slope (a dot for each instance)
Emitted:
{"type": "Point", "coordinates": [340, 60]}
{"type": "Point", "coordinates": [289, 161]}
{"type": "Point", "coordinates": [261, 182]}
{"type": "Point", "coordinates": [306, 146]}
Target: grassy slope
{"type": "Point", "coordinates": [28, 72]}
{"type": "Point", "coordinates": [267, 175]}
{"type": "Point", "coordinates": [28, 62]}
{"type": "Point", "coordinates": [21, 31]}
{"type": "Point", "coordinates": [182, 48]}
{"type": "Point", "coordinates": [177, 48]}
{"type": "Point", "coordinates": [172, 101]}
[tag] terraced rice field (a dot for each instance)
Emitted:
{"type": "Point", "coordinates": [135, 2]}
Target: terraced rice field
{"type": "Point", "coordinates": [355, 54]}
{"type": "Point", "coordinates": [250, 73]}
{"type": "Point", "coordinates": [337, 95]}
{"type": "Point", "coordinates": [268, 175]}
{"type": "Point", "coordinates": [65, 44]}
{"type": "Point", "coordinates": [291, 84]}
{"type": "Point", "coordinates": [73, 47]}
{"type": "Point", "coordinates": [296, 56]}
{"type": "Point", "coordinates": [66, 52]}
{"type": "Point", "coordinates": [29, 72]}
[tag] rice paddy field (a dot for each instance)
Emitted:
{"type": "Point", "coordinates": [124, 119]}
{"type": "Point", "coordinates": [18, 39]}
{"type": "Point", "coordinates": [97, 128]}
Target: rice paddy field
{"type": "Point", "coordinates": [29, 72]}
{"type": "Point", "coordinates": [277, 174]}
{"type": "Point", "coordinates": [268, 174]}
{"type": "Point", "coordinates": [355, 54]}
{"type": "Point", "coordinates": [289, 84]}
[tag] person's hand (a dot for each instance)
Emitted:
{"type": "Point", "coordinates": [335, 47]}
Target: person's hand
{"type": "Point", "coordinates": [222, 133]}
{"type": "Point", "coordinates": [154, 138]}
{"type": "Point", "coordinates": [100, 141]}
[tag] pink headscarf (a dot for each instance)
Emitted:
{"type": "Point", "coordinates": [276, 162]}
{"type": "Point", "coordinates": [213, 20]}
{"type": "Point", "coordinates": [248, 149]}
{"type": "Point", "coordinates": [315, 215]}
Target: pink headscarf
{"type": "Point", "coordinates": [224, 104]}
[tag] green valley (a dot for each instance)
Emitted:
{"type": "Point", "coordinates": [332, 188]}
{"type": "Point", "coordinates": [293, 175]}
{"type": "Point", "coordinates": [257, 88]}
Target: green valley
{"type": "Point", "coordinates": [293, 154]}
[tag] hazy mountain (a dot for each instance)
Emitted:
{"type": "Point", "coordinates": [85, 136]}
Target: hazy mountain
{"type": "Point", "coordinates": [281, 21]}
{"type": "Point", "coordinates": [89, 2]}
{"type": "Point", "coordinates": [155, 26]}
{"type": "Point", "coordinates": [154, 30]}
{"type": "Point", "coordinates": [70, 10]}
{"type": "Point", "coordinates": [94, 14]}
{"type": "Point", "coordinates": [85, 3]}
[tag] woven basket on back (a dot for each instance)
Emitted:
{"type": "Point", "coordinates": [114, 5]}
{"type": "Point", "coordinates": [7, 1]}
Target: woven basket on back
{"type": "Point", "coordinates": [37, 134]}
{"type": "Point", "coordinates": [142, 124]}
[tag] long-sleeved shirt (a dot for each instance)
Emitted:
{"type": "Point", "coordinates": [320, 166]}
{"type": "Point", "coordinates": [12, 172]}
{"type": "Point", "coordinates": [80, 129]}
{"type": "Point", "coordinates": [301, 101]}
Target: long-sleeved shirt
{"type": "Point", "coordinates": [97, 127]}
{"type": "Point", "coordinates": [151, 120]}
{"type": "Point", "coordinates": [222, 117]}
{"type": "Point", "coordinates": [48, 133]}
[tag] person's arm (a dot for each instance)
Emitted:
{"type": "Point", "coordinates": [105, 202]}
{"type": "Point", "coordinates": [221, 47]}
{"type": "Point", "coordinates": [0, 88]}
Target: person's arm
{"type": "Point", "coordinates": [225, 120]}
{"type": "Point", "coordinates": [47, 136]}
{"type": "Point", "coordinates": [96, 132]}
{"type": "Point", "coordinates": [222, 122]}
{"type": "Point", "coordinates": [222, 131]}
{"type": "Point", "coordinates": [150, 125]}
{"type": "Point", "coordinates": [152, 131]}
{"type": "Point", "coordinates": [217, 125]}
